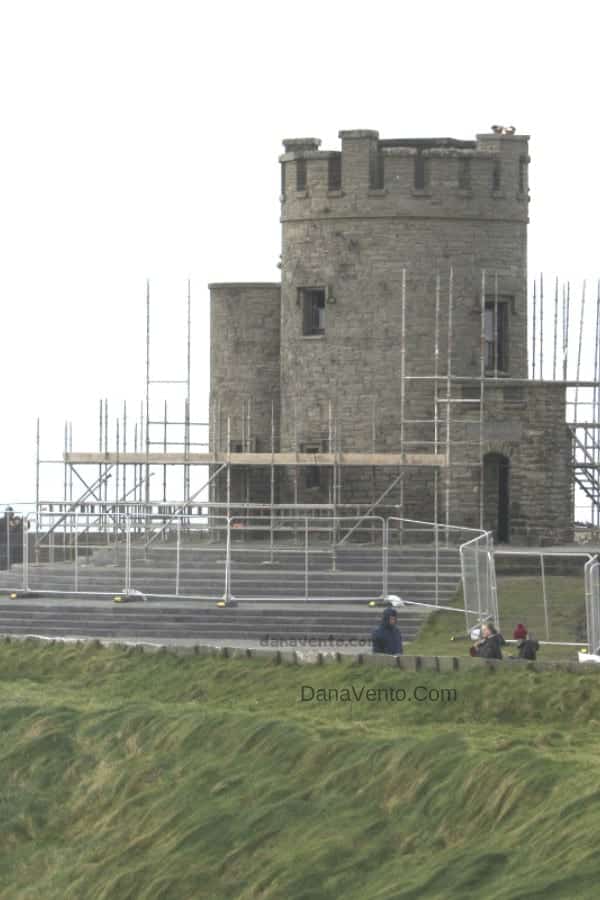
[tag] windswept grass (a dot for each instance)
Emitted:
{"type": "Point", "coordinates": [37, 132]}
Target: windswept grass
{"type": "Point", "coordinates": [126, 775]}
{"type": "Point", "coordinates": [520, 599]}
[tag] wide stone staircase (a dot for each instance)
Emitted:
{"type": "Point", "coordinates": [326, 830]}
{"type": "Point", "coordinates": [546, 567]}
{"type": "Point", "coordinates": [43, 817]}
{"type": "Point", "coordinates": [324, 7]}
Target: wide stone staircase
{"type": "Point", "coordinates": [281, 596]}
{"type": "Point", "coordinates": [319, 629]}
{"type": "Point", "coordinates": [352, 573]}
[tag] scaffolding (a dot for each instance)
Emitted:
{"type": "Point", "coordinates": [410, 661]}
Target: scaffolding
{"type": "Point", "coordinates": [133, 450]}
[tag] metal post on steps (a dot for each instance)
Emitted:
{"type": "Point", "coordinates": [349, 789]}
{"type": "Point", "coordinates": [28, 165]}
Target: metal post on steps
{"type": "Point", "coordinates": [306, 560]}
{"type": "Point", "coordinates": [478, 583]}
{"type": "Point", "coordinates": [437, 562]}
{"type": "Point", "coordinates": [178, 556]}
{"type": "Point", "coordinates": [545, 598]}
{"type": "Point", "coordinates": [75, 552]}
{"type": "Point", "coordinates": [385, 560]}
{"type": "Point", "coordinates": [25, 524]}
{"type": "Point", "coordinates": [227, 593]}
{"type": "Point", "coordinates": [127, 555]}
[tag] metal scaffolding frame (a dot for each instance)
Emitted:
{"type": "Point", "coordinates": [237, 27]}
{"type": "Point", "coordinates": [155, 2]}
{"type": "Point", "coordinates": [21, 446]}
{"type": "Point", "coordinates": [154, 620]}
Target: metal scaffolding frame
{"type": "Point", "coordinates": [148, 454]}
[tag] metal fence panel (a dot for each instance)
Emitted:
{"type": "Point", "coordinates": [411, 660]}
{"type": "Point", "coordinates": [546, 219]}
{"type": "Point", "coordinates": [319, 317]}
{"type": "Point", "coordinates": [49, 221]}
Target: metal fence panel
{"type": "Point", "coordinates": [592, 603]}
{"type": "Point", "coordinates": [479, 581]}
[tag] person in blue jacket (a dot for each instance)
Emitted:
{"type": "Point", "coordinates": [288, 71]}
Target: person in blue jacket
{"type": "Point", "coordinates": [387, 637]}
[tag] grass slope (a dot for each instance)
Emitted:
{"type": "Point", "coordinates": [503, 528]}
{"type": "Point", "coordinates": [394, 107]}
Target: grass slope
{"type": "Point", "coordinates": [520, 599]}
{"type": "Point", "coordinates": [126, 775]}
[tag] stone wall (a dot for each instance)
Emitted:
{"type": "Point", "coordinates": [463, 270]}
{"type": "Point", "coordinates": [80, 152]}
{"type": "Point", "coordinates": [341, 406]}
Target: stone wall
{"type": "Point", "coordinates": [244, 379]}
{"type": "Point", "coordinates": [525, 424]}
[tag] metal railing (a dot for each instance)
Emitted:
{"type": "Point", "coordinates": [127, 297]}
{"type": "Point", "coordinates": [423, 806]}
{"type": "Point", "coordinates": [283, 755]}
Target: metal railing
{"type": "Point", "coordinates": [545, 591]}
{"type": "Point", "coordinates": [258, 554]}
{"type": "Point", "coordinates": [280, 555]}
{"type": "Point", "coordinates": [479, 581]}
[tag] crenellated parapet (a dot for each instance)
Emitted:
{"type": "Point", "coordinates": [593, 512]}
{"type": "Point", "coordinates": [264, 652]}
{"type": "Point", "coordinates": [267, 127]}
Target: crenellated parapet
{"type": "Point", "coordinates": [422, 177]}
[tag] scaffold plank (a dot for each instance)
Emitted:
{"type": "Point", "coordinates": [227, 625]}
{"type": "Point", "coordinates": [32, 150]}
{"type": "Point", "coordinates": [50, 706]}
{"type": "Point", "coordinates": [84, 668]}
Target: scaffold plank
{"type": "Point", "coordinates": [258, 459]}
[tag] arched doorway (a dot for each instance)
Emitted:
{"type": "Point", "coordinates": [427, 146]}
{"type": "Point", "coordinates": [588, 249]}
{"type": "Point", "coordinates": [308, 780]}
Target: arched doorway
{"type": "Point", "coordinates": [496, 496]}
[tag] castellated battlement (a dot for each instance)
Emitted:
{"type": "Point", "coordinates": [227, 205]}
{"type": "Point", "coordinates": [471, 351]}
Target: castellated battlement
{"type": "Point", "coordinates": [486, 178]}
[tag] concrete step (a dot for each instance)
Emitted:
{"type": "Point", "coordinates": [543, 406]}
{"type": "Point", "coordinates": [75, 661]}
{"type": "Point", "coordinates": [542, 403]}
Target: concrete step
{"type": "Point", "coordinates": [143, 621]}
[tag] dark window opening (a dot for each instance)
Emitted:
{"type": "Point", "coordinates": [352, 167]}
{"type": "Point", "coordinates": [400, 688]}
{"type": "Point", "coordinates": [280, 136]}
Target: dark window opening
{"type": "Point", "coordinates": [313, 310]}
{"type": "Point", "coordinates": [420, 175]}
{"type": "Point", "coordinates": [522, 174]}
{"type": "Point", "coordinates": [377, 174]}
{"type": "Point", "coordinates": [335, 173]}
{"type": "Point", "coordinates": [464, 174]}
{"type": "Point", "coordinates": [496, 335]}
{"type": "Point", "coordinates": [496, 486]}
{"type": "Point", "coordinates": [300, 174]}
{"type": "Point", "coordinates": [282, 180]}
{"type": "Point", "coordinates": [497, 176]}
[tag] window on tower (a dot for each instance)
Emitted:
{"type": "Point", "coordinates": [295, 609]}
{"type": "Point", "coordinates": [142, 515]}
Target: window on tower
{"type": "Point", "coordinates": [377, 173]}
{"type": "Point", "coordinates": [497, 176]}
{"type": "Point", "coordinates": [496, 335]}
{"type": "Point", "coordinates": [421, 172]}
{"type": "Point", "coordinates": [522, 174]}
{"type": "Point", "coordinates": [335, 173]}
{"type": "Point", "coordinates": [300, 174]}
{"type": "Point", "coordinates": [312, 302]}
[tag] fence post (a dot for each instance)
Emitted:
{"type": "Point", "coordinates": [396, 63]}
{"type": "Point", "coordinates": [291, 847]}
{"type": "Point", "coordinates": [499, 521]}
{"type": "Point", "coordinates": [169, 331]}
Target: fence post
{"type": "Point", "coordinates": [334, 539]}
{"type": "Point", "coordinates": [595, 589]}
{"type": "Point", "coordinates": [385, 559]}
{"type": "Point", "coordinates": [592, 604]}
{"type": "Point", "coordinates": [478, 580]}
{"type": "Point", "coordinates": [25, 524]}
{"type": "Point", "coordinates": [437, 562]}
{"type": "Point", "coordinates": [306, 559]}
{"type": "Point", "coordinates": [75, 553]}
{"type": "Point", "coordinates": [177, 556]}
{"type": "Point", "coordinates": [227, 594]}
{"type": "Point", "coordinates": [493, 590]}
{"type": "Point", "coordinates": [545, 597]}
{"type": "Point", "coordinates": [127, 588]}
{"type": "Point", "coordinates": [464, 575]}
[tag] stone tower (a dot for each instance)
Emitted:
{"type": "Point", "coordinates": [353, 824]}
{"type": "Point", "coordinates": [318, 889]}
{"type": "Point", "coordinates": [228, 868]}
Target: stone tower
{"type": "Point", "coordinates": [392, 250]}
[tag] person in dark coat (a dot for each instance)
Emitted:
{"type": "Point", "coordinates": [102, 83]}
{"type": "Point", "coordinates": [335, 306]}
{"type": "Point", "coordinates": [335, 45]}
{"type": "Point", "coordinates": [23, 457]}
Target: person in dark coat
{"type": "Point", "coordinates": [387, 637]}
{"type": "Point", "coordinates": [490, 645]}
{"type": "Point", "coordinates": [527, 645]}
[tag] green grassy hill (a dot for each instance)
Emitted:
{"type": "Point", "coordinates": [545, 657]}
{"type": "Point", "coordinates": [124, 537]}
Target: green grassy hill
{"type": "Point", "coordinates": [128, 775]}
{"type": "Point", "coordinates": [520, 599]}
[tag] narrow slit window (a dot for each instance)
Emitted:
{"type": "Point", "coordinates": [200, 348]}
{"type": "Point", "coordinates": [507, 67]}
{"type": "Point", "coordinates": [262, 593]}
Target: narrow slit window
{"type": "Point", "coordinates": [496, 336]}
{"type": "Point", "coordinates": [377, 173]}
{"type": "Point", "coordinates": [335, 173]}
{"type": "Point", "coordinates": [283, 181]}
{"type": "Point", "coordinates": [312, 301]}
{"type": "Point", "coordinates": [497, 176]}
{"type": "Point", "coordinates": [523, 175]}
{"type": "Point", "coordinates": [421, 172]}
{"type": "Point", "coordinates": [300, 174]}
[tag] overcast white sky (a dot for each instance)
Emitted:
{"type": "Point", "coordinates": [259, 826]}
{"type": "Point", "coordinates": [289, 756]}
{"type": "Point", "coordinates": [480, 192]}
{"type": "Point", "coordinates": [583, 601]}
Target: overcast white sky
{"type": "Point", "coordinates": [140, 140]}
